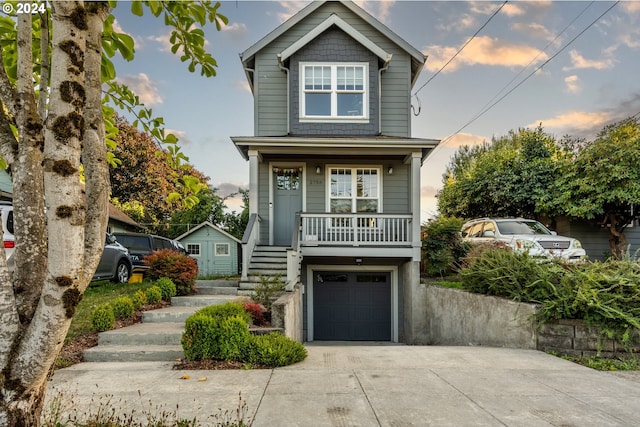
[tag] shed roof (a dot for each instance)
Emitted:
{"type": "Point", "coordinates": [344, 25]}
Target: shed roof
{"type": "Point", "coordinates": [210, 225]}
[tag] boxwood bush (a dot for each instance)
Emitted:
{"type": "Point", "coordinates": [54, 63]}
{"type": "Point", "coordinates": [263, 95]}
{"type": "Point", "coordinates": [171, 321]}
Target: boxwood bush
{"type": "Point", "coordinates": [167, 287]}
{"type": "Point", "coordinates": [221, 332]}
{"type": "Point", "coordinates": [153, 294]}
{"type": "Point", "coordinates": [103, 318]}
{"type": "Point", "coordinates": [123, 307]}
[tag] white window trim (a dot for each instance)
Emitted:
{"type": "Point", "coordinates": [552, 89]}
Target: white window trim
{"type": "Point", "coordinates": [354, 198]}
{"type": "Point", "coordinates": [222, 244]}
{"type": "Point", "coordinates": [334, 99]}
{"type": "Point", "coordinates": [198, 245]}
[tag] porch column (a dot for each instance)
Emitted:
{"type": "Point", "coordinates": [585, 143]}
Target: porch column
{"type": "Point", "coordinates": [254, 160]}
{"type": "Point", "coordinates": [416, 162]}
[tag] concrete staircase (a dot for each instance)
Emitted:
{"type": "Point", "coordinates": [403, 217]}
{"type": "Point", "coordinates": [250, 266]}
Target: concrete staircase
{"type": "Point", "coordinates": [265, 261]}
{"type": "Point", "coordinates": [158, 337]}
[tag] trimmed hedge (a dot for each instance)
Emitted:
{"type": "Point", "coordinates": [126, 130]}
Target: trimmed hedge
{"type": "Point", "coordinates": [102, 318]}
{"type": "Point", "coordinates": [179, 267]}
{"type": "Point", "coordinates": [221, 332]}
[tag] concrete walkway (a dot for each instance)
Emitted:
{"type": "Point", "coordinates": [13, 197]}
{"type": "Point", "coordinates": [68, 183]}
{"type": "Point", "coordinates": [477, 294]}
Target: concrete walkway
{"type": "Point", "coordinates": [373, 384]}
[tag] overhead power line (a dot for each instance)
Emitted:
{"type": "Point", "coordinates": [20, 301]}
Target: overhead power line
{"type": "Point", "coordinates": [483, 112]}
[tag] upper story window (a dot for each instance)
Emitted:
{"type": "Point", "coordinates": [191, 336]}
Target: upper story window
{"type": "Point", "coordinates": [334, 91]}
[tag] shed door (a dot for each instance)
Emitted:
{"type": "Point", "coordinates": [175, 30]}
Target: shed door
{"type": "Point", "coordinates": [352, 306]}
{"type": "Point", "coordinates": [287, 200]}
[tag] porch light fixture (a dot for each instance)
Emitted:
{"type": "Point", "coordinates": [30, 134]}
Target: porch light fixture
{"type": "Point", "coordinates": [318, 169]}
{"type": "Point", "coordinates": [390, 170]}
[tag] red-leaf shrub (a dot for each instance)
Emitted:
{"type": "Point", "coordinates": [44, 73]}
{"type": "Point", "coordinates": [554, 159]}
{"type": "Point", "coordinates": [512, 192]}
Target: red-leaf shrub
{"type": "Point", "coordinates": [180, 268]}
{"type": "Point", "coordinates": [255, 310]}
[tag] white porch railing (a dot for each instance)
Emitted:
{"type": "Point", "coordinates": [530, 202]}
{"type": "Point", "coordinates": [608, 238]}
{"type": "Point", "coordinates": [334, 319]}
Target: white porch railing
{"type": "Point", "coordinates": [355, 229]}
{"type": "Point", "coordinates": [249, 241]}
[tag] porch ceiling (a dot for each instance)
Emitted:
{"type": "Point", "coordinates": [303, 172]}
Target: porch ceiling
{"type": "Point", "coordinates": [341, 146]}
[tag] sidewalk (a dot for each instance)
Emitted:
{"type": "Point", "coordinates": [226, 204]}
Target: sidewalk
{"type": "Point", "coordinates": [373, 384]}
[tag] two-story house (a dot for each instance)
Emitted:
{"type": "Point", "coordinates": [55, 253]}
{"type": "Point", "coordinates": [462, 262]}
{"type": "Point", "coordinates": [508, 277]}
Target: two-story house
{"type": "Point", "coordinates": [335, 173]}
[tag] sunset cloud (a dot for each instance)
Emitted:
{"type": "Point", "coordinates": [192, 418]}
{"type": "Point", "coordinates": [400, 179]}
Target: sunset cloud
{"type": "Point", "coordinates": [575, 120]}
{"type": "Point", "coordinates": [483, 51]}
{"type": "Point", "coordinates": [573, 84]}
{"type": "Point", "coordinates": [144, 87]}
{"type": "Point", "coordinates": [580, 62]}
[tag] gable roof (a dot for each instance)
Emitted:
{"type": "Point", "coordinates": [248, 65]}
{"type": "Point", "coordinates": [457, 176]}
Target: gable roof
{"type": "Point", "coordinates": [210, 225]}
{"type": "Point", "coordinates": [417, 58]}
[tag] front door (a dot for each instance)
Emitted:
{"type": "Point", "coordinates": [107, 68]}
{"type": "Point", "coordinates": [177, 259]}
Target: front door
{"type": "Point", "coordinates": [287, 201]}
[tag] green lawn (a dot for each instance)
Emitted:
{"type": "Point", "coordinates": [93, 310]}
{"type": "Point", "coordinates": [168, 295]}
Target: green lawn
{"type": "Point", "coordinates": [99, 293]}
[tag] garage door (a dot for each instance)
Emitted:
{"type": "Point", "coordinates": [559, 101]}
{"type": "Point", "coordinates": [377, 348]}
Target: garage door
{"type": "Point", "coordinates": [352, 306]}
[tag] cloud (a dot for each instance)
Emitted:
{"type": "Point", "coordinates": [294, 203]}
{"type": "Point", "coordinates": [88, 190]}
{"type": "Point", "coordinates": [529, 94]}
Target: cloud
{"type": "Point", "coordinates": [164, 40]}
{"type": "Point", "coordinates": [237, 29]}
{"type": "Point", "coordinates": [483, 50]}
{"type": "Point", "coordinates": [144, 87]}
{"type": "Point", "coordinates": [512, 10]}
{"type": "Point", "coordinates": [573, 84]}
{"type": "Point", "coordinates": [631, 6]}
{"type": "Point", "coordinates": [462, 22]}
{"type": "Point", "coordinates": [580, 62]}
{"type": "Point", "coordinates": [379, 9]}
{"type": "Point", "coordinates": [180, 134]}
{"type": "Point", "coordinates": [533, 29]}
{"type": "Point", "coordinates": [575, 120]}
{"type": "Point", "coordinates": [459, 139]}
{"type": "Point", "coordinates": [291, 7]}
{"type": "Point", "coordinates": [243, 85]}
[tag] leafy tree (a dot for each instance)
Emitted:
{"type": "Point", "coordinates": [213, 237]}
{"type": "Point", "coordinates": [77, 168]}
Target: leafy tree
{"type": "Point", "coordinates": [143, 178]}
{"type": "Point", "coordinates": [235, 223]}
{"type": "Point", "coordinates": [51, 122]}
{"type": "Point", "coordinates": [209, 208]}
{"type": "Point", "coordinates": [601, 182]}
{"type": "Point", "coordinates": [503, 178]}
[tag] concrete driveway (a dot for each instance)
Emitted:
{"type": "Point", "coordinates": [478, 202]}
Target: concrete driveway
{"type": "Point", "coordinates": [374, 384]}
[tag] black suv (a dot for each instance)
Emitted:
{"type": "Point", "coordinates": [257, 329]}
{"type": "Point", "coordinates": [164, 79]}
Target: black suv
{"type": "Point", "coordinates": [140, 245]}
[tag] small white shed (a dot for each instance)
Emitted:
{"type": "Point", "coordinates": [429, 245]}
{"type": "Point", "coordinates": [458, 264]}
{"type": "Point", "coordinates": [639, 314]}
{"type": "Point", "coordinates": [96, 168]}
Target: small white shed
{"type": "Point", "coordinates": [217, 252]}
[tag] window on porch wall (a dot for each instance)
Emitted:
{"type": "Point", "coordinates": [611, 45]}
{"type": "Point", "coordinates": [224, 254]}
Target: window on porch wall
{"type": "Point", "coordinates": [354, 190]}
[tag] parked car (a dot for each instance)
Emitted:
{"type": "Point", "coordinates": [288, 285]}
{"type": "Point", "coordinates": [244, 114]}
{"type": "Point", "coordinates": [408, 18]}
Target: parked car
{"type": "Point", "coordinates": [115, 263]}
{"type": "Point", "coordinates": [140, 245]}
{"type": "Point", "coordinates": [524, 235]}
{"type": "Point", "coordinates": [6, 215]}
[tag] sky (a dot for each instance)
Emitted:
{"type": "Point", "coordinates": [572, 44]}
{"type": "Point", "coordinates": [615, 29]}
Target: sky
{"type": "Point", "coordinates": [571, 66]}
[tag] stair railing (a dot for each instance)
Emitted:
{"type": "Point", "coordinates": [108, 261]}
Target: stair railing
{"type": "Point", "coordinates": [249, 241]}
{"type": "Point", "coordinates": [294, 256]}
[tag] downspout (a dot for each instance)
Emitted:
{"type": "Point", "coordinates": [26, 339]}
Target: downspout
{"type": "Point", "coordinates": [286, 70]}
{"type": "Point", "coordinates": [380, 71]}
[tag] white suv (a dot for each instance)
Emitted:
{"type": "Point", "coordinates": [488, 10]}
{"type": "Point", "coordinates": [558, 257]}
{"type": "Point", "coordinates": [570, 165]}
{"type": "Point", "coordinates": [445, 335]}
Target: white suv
{"type": "Point", "coordinates": [6, 215]}
{"type": "Point", "coordinates": [524, 235]}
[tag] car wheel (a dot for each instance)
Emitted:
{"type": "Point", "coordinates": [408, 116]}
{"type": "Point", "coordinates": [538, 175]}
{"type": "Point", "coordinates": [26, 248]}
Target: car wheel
{"type": "Point", "coordinates": [123, 272]}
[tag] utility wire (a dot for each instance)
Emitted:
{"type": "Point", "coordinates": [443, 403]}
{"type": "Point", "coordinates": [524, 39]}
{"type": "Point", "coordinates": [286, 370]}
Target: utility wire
{"type": "Point", "coordinates": [532, 61]}
{"type": "Point", "coordinates": [530, 74]}
{"type": "Point", "coordinates": [461, 48]}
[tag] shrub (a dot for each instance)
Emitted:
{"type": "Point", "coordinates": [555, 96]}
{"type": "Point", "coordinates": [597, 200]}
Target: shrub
{"type": "Point", "coordinates": [217, 337]}
{"type": "Point", "coordinates": [103, 318]}
{"type": "Point", "coordinates": [167, 287]}
{"type": "Point", "coordinates": [153, 294]}
{"type": "Point", "coordinates": [268, 289]}
{"type": "Point", "coordinates": [274, 350]}
{"type": "Point", "coordinates": [442, 246]}
{"type": "Point", "coordinates": [139, 299]}
{"type": "Point", "coordinates": [229, 309]}
{"type": "Point", "coordinates": [255, 310]}
{"type": "Point", "coordinates": [179, 267]}
{"type": "Point", "coordinates": [122, 307]}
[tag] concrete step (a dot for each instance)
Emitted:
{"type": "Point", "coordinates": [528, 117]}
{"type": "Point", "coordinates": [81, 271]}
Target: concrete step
{"type": "Point", "coordinates": [146, 353]}
{"type": "Point", "coordinates": [277, 249]}
{"type": "Point", "coordinates": [257, 272]}
{"type": "Point", "coordinates": [201, 300]}
{"type": "Point", "coordinates": [281, 266]}
{"type": "Point", "coordinates": [143, 334]}
{"type": "Point", "coordinates": [218, 283]}
{"type": "Point", "coordinates": [169, 314]}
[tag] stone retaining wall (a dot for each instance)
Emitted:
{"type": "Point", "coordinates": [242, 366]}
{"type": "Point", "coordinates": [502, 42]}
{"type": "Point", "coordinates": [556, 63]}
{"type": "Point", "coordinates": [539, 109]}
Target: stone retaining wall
{"type": "Point", "coordinates": [574, 338]}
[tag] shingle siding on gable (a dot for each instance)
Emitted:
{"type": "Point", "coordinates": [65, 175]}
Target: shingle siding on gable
{"type": "Point", "coordinates": [334, 46]}
{"type": "Point", "coordinates": [271, 115]}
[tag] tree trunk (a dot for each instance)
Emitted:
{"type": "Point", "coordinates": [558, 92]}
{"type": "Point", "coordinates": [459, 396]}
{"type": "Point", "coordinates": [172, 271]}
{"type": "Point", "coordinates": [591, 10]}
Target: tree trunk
{"type": "Point", "coordinates": [47, 168]}
{"type": "Point", "coordinates": [617, 239]}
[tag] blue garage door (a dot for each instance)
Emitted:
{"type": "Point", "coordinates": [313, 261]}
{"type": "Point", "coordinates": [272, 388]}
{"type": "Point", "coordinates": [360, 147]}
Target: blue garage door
{"type": "Point", "coordinates": [352, 306]}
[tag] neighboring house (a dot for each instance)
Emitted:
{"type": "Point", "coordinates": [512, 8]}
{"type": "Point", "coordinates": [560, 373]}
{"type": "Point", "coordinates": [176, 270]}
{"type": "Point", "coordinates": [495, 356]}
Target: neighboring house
{"type": "Point", "coordinates": [335, 174]}
{"type": "Point", "coordinates": [595, 238]}
{"type": "Point", "coordinates": [120, 221]}
{"type": "Point", "coordinates": [217, 252]}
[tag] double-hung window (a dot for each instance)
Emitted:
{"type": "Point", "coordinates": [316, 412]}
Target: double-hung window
{"type": "Point", "coordinates": [334, 91]}
{"type": "Point", "coordinates": [354, 190]}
